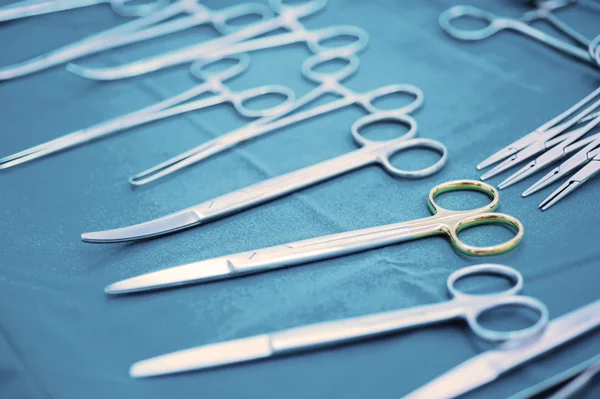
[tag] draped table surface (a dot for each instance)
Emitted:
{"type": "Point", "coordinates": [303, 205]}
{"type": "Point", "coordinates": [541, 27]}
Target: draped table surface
{"type": "Point", "coordinates": [61, 337]}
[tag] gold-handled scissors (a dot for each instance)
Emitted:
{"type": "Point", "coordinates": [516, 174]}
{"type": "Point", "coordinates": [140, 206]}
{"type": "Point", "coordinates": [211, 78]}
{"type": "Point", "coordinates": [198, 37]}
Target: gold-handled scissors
{"type": "Point", "coordinates": [443, 221]}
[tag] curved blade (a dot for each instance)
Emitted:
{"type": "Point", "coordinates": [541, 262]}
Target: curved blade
{"type": "Point", "coordinates": [153, 228]}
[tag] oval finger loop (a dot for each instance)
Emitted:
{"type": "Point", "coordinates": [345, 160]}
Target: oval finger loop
{"type": "Point", "coordinates": [310, 67]}
{"type": "Point", "coordinates": [413, 144]}
{"type": "Point", "coordinates": [488, 269]}
{"type": "Point", "coordinates": [510, 336]}
{"type": "Point", "coordinates": [391, 90]}
{"type": "Point", "coordinates": [487, 218]}
{"type": "Point", "coordinates": [298, 10]}
{"type": "Point", "coordinates": [201, 69]}
{"type": "Point", "coordinates": [463, 185]}
{"type": "Point", "coordinates": [223, 20]}
{"type": "Point", "coordinates": [318, 39]}
{"type": "Point", "coordinates": [243, 98]}
{"type": "Point", "coordinates": [137, 10]}
{"type": "Point", "coordinates": [373, 119]}
{"type": "Point", "coordinates": [447, 17]}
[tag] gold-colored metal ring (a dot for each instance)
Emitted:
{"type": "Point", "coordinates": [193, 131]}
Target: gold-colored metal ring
{"type": "Point", "coordinates": [486, 218]}
{"type": "Point", "coordinates": [463, 185]}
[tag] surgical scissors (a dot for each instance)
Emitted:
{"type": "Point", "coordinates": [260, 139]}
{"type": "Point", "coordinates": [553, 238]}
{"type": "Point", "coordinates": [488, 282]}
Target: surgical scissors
{"type": "Point", "coordinates": [30, 8]}
{"type": "Point", "coordinates": [212, 82]}
{"type": "Point", "coordinates": [462, 305]}
{"type": "Point", "coordinates": [568, 382]}
{"type": "Point", "coordinates": [155, 25]}
{"type": "Point", "coordinates": [495, 24]}
{"type": "Point", "coordinates": [371, 152]}
{"type": "Point", "coordinates": [443, 221]}
{"type": "Point", "coordinates": [288, 18]}
{"type": "Point", "coordinates": [488, 366]}
{"type": "Point", "coordinates": [329, 83]}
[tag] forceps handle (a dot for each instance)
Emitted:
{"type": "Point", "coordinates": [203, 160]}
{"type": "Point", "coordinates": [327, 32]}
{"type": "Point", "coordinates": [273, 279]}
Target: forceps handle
{"type": "Point", "coordinates": [203, 51]}
{"type": "Point", "coordinates": [496, 24]}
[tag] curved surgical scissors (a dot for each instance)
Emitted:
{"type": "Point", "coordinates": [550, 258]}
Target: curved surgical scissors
{"type": "Point", "coordinates": [495, 24]}
{"type": "Point", "coordinates": [288, 17]}
{"type": "Point", "coordinates": [155, 25]}
{"type": "Point", "coordinates": [443, 221]}
{"type": "Point", "coordinates": [462, 305]}
{"type": "Point", "coordinates": [371, 152]}
{"type": "Point", "coordinates": [329, 83]}
{"type": "Point", "coordinates": [30, 8]}
{"type": "Point", "coordinates": [213, 82]}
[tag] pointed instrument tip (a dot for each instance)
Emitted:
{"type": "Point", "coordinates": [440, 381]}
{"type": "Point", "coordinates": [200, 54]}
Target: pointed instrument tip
{"type": "Point", "coordinates": [144, 369]}
{"type": "Point", "coordinates": [153, 228]}
{"type": "Point", "coordinates": [91, 73]}
{"type": "Point", "coordinates": [560, 193]}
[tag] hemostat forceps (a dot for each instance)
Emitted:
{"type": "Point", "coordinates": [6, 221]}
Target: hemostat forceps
{"type": "Point", "coordinates": [288, 16]}
{"type": "Point", "coordinates": [495, 24]}
{"type": "Point", "coordinates": [152, 26]}
{"type": "Point", "coordinates": [30, 8]}
{"type": "Point", "coordinates": [213, 82]}
{"type": "Point", "coordinates": [329, 83]}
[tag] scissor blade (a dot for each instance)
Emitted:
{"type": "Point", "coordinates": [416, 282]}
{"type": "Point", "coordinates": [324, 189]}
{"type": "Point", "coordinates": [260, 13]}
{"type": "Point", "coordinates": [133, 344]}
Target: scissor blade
{"type": "Point", "coordinates": [152, 228]}
{"type": "Point", "coordinates": [196, 272]}
{"type": "Point", "coordinates": [572, 184]}
{"type": "Point", "coordinates": [203, 357]}
{"type": "Point", "coordinates": [471, 374]}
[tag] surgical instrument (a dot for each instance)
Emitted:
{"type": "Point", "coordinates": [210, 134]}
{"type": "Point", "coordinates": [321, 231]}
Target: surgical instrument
{"type": "Point", "coordinates": [536, 141]}
{"type": "Point", "coordinates": [288, 16]}
{"type": "Point", "coordinates": [488, 366]}
{"type": "Point", "coordinates": [579, 159]}
{"type": "Point", "coordinates": [544, 142]}
{"type": "Point", "coordinates": [495, 24]}
{"type": "Point", "coordinates": [465, 306]}
{"type": "Point", "coordinates": [444, 221]}
{"type": "Point", "coordinates": [155, 25]}
{"type": "Point", "coordinates": [372, 152]}
{"type": "Point", "coordinates": [212, 82]}
{"type": "Point", "coordinates": [329, 83]}
{"type": "Point", "coordinates": [591, 169]}
{"type": "Point", "coordinates": [30, 8]}
{"type": "Point", "coordinates": [565, 384]}
{"type": "Point", "coordinates": [551, 155]}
